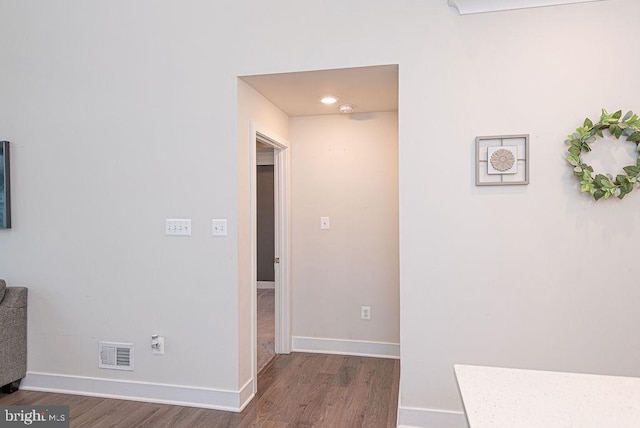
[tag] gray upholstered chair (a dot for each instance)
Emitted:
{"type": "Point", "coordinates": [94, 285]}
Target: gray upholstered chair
{"type": "Point", "coordinates": [13, 336]}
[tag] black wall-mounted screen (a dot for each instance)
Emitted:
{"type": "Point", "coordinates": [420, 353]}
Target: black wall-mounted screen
{"type": "Point", "coordinates": [5, 186]}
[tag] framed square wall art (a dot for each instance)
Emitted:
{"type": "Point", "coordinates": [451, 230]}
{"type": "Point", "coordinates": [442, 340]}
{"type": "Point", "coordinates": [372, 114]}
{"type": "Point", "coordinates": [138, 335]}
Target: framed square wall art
{"type": "Point", "coordinates": [502, 160]}
{"type": "Point", "coordinates": [5, 186]}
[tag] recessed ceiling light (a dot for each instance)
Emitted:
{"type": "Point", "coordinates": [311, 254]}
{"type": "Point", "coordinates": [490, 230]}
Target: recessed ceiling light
{"type": "Point", "coordinates": [347, 108]}
{"type": "Point", "coordinates": [329, 99]}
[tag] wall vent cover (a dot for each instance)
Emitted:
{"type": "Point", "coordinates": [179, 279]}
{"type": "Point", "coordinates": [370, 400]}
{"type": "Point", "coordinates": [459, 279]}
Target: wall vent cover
{"type": "Point", "coordinates": [115, 356]}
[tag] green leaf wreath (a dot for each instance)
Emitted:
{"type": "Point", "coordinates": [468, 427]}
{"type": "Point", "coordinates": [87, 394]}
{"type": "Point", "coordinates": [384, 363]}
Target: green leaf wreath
{"type": "Point", "coordinates": [604, 185]}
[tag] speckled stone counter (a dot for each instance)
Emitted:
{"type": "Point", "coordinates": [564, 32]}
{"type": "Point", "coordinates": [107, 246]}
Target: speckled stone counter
{"type": "Point", "coordinates": [512, 398]}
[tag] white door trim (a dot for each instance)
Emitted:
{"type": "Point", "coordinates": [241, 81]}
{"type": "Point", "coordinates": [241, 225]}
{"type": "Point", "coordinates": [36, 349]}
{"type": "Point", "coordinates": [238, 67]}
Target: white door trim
{"type": "Point", "coordinates": [282, 193]}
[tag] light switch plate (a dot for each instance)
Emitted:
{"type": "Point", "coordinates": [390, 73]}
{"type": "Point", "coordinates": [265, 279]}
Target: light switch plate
{"type": "Point", "coordinates": [219, 227]}
{"type": "Point", "coordinates": [178, 226]}
{"type": "Point", "coordinates": [325, 223]}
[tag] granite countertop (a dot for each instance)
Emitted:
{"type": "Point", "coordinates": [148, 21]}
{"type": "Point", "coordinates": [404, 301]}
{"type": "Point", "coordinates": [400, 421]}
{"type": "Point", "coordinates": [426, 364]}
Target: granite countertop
{"type": "Point", "coordinates": [509, 398]}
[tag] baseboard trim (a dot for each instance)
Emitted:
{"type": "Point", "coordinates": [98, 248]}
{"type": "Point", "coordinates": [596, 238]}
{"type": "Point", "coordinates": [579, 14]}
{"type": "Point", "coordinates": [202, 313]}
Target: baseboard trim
{"type": "Point", "coordinates": [181, 395]}
{"type": "Point", "coordinates": [266, 285]}
{"type": "Point", "coordinates": [246, 394]}
{"type": "Point", "coordinates": [346, 347]}
{"type": "Point", "coordinates": [412, 417]}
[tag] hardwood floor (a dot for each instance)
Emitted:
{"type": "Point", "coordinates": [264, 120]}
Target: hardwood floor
{"type": "Point", "coordinates": [297, 390]}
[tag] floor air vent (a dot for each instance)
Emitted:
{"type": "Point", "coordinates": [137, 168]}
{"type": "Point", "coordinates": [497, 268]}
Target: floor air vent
{"type": "Point", "coordinates": [115, 356]}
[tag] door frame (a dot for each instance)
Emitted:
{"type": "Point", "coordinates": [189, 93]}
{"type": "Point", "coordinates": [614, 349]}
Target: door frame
{"type": "Point", "coordinates": [282, 214]}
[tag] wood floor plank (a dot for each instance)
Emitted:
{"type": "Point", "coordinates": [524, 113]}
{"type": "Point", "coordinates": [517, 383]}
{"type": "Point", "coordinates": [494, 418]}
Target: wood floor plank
{"type": "Point", "coordinates": [310, 409]}
{"type": "Point", "coordinates": [297, 390]}
{"type": "Point", "coordinates": [332, 365]}
{"type": "Point", "coordinates": [381, 381]}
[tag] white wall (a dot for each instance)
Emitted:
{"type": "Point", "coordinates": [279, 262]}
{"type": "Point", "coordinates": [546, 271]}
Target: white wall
{"type": "Point", "coordinates": [122, 114]}
{"type": "Point", "coordinates": [111, 122]}
{"type": "Point", "coordinates": [538, 276]}
{"type": "Point", "coordinates": [346, 168]}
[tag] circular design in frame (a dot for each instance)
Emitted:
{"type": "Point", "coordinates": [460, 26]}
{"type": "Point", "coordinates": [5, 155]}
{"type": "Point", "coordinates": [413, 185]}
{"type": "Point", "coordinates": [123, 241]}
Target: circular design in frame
{"type": "Point", "coordinates": [502, 160]}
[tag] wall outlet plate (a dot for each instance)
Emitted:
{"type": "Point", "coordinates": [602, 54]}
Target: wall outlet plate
{"type": "Point", "coordinates": [365, 312]}
{"type": "Point", "coordinates": [160, 349]}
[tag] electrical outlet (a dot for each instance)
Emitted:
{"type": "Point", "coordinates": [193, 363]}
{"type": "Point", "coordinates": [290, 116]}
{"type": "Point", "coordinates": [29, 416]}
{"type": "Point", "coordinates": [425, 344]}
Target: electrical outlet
{"type": "Point", "coordinates": [365, 312]}
{"type": "Point", "coordinates": [160, 349]}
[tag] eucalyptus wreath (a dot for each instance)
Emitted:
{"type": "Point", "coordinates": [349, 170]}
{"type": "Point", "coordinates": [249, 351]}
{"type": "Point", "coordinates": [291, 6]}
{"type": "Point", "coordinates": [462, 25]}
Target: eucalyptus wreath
{"type": "Point", "coordinates": [605, 185]}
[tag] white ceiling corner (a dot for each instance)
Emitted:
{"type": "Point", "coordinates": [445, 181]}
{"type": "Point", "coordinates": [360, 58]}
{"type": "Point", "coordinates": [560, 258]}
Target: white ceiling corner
{"type": "Point", "coordinates": [466, 7]}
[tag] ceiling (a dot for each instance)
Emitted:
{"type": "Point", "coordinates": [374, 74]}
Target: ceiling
{"type": "Point", "coordinates": [480, 6]}
{"type": "Point", "coordinates": [369, 89]}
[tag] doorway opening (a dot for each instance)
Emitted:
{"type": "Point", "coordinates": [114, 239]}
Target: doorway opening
{"type": "Point", "coordinates": [266, 256]}
{"type": "Point", "coordinates": [346, 270]}
{"type": "Point", "coordinates": [270, 236]}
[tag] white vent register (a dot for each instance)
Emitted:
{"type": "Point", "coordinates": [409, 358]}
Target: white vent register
{"type": "Point", "coordinates": [115, 356]}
